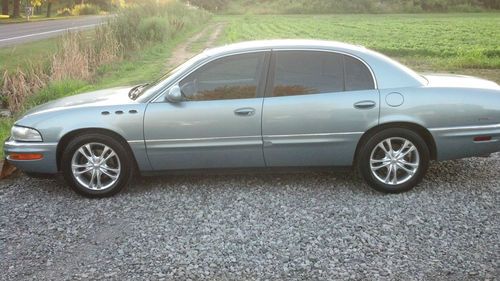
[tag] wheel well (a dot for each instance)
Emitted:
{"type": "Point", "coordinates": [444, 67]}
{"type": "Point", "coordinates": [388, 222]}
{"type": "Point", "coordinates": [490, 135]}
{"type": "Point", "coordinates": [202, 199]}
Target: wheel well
{"type": "Point", "coordinates": [421, 131]}
{"type": "Point", "coordinates": [71, 135]}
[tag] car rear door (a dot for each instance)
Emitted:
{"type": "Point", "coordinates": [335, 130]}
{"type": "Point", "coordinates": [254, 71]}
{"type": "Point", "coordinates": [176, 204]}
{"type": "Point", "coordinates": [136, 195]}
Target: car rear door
{"type": "Point", "coordinates": [317, 106]}
{"type": "Point", "coordinates": [218, 125]}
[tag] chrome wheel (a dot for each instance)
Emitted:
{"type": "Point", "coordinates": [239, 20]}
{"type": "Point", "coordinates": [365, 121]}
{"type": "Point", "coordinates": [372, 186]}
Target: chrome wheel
{"type": "Point", "coordinates": [95, 166]}
{"type": "Point", "coordinates": [394, 161]}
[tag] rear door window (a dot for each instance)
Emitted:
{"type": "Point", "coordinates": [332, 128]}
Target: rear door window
{"type": "Point", "coordinates": [307, 72]}
{"type": "Point", "coordinates": [316, 72]}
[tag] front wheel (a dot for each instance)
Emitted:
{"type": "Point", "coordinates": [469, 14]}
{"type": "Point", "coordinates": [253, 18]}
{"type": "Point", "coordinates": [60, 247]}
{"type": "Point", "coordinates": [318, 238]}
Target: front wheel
{"type": "Point", "coordinates": [96, 165]}
{"type": "Point", "coordinates": [394, 160]}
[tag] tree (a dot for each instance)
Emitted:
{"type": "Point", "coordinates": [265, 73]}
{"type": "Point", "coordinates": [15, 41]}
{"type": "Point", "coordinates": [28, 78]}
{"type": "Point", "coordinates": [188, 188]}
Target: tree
{"type": "Point", "coordinates": [5, 7]}
{"type": "Point", "coordinates": [49, 6]}
{"type": "Point", "coordinates": [36, 4]}
{"type": "Point", "coordinates": [16, 13]}
{"type": "Point", "coordinates": [211, 5]}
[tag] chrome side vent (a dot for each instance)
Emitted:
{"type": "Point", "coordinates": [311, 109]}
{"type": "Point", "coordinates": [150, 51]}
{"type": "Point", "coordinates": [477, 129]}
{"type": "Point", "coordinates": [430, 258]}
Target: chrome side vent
{"type": "Point", "coordinates": [120, 112]}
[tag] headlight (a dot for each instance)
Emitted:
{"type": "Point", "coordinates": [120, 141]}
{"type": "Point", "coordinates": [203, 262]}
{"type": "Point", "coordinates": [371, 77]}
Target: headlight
{"type": "Point", "coordinates": [19, 133]}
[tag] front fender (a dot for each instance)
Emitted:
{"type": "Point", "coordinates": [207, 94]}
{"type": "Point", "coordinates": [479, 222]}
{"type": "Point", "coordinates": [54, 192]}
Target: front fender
{"type": "Point", "coordinates": [124, 120]}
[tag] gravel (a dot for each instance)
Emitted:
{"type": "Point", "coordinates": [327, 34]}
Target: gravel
{"type": "Point", "coordinates": [317, 225]}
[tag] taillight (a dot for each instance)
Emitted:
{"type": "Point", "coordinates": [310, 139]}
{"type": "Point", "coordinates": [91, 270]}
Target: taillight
{"type": "Point", "coordinates": [25, 156]}
{"type": "Point", "coordinates": [482, 138]}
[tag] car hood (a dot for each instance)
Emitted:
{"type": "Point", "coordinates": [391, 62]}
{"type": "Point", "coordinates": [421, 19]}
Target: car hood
{"type": "Point", "coordinates": [113, 96]}
{"type": "Point", "coordinates": [459, 81]}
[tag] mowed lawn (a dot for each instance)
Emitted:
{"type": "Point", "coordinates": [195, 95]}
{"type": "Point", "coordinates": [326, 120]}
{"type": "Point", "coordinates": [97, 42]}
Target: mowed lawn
{"type": "Point", "coordinates": [459, 43]}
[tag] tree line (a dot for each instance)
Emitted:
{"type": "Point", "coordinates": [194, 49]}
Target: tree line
{"type": "Point", "coordinates": [332, 6]}
{"type": "Point", "coordinates": [15, 8]}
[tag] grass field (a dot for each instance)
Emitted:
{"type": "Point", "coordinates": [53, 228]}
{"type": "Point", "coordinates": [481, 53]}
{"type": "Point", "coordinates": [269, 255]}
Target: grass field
{"type": "Point", "coordinates": [466, 43]}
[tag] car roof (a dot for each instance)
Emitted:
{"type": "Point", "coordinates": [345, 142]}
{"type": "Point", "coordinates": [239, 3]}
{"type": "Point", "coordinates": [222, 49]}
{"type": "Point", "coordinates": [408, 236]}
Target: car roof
{"type": "Point", "coordinates": [283, 44]}
{"type": "Point", "coordinates": [387, 72]}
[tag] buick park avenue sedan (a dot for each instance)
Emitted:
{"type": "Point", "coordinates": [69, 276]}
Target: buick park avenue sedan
{"type": "Point", "coordinates": [280, 103]}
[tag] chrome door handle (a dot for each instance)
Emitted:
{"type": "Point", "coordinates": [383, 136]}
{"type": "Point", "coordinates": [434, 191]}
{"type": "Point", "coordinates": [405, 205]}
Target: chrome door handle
{"type": "Point", "coordinates": [366, 104]}
{"type": "Point", "coordinates": [245, 111]}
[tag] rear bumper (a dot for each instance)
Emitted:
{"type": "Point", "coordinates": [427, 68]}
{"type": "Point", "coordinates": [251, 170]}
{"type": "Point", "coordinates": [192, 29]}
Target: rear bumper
{"type": "Point", "coordinates": [46, 165]}
{"type": "Point", "coordinates": [458, 142]}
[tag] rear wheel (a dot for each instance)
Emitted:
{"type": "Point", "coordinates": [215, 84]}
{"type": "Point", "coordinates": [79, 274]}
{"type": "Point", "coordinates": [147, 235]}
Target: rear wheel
{"type": "Point", "coordinates": [394, 160]}
{"type": "Point", "coordinates": [96, 165]}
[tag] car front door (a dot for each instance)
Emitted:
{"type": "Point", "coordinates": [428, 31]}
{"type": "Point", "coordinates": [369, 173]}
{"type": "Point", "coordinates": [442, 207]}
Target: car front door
{"type": "Point", "coordinates": [218, 122]}
{"type": "Point", "coordinates": [317, 107]}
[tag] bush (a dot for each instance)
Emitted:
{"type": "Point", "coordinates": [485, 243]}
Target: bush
{"type": "Point", "coordinates": [345, 6]}
{"type": "Point", "coordinates": [85, 9]}
{"type": "Point", "coordinates": [56, 90]}
{"type": "Point", "coordinates": [211, 5]}
{"type": "Point", "coordinates": [154, 29]}
{"type": "Point", "coordinates": [165, 19]}
{"type": "Point", "coordinates": [64, 12]}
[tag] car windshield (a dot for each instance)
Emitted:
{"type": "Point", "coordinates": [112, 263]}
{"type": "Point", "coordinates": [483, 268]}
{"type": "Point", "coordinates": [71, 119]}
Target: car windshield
{"type": "Point", "coordinates": [144, 91]}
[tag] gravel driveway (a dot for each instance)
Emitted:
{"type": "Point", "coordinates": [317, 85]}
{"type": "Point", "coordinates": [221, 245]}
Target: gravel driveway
{"type": "Point", "coordinates": [320, 225]}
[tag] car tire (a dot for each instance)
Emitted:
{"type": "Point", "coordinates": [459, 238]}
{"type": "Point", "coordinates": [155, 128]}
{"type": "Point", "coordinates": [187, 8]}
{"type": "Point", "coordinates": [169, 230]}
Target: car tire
{"type": "Point", "coordinates": [103, 172]}
{"type": "Point", "coordinates": [393, 160]}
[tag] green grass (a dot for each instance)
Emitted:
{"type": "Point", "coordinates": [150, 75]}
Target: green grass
{"type": "Point", "coordinates": [32, 53]}
{"type": "Point", "coordinates": [5, 125]}
{"type": "Point", "coordinates": [199, 44]}
{"type": "Point", "coordinates": [55, 90]}
{"type": "Point", "coordinates": [21, 55]}
{"type": "Point", "coordinates": [144, 66]}
{"type": "Point", "coordinates": [424, 41]}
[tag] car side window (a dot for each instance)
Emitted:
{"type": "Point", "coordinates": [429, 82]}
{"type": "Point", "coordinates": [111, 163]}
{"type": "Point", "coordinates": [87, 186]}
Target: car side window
{"type": "Point", "coordinates": [316, 72]}
{"type": "Point", "coordinates": [307, 72]}
{"type": "Point", "coordinates": [232, 77]}
{"type": "Point", "coordinates": [357, 75]}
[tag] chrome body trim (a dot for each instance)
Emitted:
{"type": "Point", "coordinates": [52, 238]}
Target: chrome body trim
{"type": "Point", "coordinates": [205, 139]}
{"type": "Point", "coordinates": [202, 142]}
{"type": "Point", "coordinates": [479, 127]}
{"type": "Point", "coordinates": [313, 135]}
{"type": "Point", "coordinates": [245, 137]}
{"type": "Point", "coordinates": [26, 144]}
{"type": "Point", "coordinates": [135, 141]}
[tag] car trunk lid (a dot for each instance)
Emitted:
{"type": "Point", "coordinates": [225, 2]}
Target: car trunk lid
{"type": "Point", "coordinates": [461, 81]}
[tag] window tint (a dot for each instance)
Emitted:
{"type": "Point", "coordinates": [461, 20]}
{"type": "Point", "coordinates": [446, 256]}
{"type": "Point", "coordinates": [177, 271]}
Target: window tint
{"type": "Point", "coordinates": [315, 72]}
{"type": "Point", "coordinates": [234, 77]}
{"type": "Point", "coordinates": [300, 73]}
{"type": "Point", "coordinates": [357, 75]}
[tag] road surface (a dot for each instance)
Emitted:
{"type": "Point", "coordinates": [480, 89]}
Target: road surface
{"type": "Point", "coordinates": [14, 34]}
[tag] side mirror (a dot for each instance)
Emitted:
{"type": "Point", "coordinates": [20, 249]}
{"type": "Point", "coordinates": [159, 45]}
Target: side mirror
{"type": "Point", "coordinates": [174, 95]}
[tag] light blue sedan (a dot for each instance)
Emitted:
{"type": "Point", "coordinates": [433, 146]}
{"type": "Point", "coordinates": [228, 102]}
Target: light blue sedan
{"type": "Point", "coordinates": [280, 103]}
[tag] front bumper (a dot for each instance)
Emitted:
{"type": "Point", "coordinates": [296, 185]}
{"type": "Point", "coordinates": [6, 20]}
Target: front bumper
{"type": "Point", "coordinates": [46, 165]}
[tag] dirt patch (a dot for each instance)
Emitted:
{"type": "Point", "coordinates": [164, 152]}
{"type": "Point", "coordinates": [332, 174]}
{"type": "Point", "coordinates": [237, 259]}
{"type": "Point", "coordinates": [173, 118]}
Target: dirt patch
{"type": "Point", "coordinates": [183, 51]}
